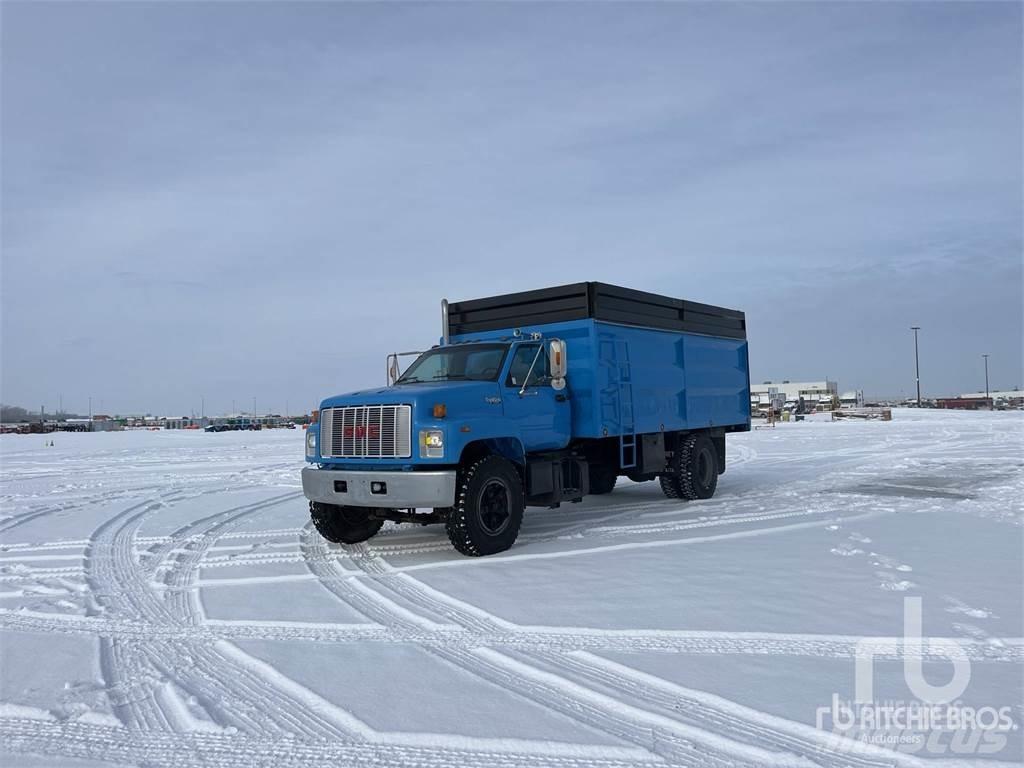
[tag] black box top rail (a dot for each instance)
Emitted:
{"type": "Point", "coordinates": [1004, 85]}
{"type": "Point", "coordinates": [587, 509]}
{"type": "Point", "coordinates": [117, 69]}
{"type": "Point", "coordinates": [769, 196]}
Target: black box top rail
{"type": "Point", "coordinates": [599, 301]}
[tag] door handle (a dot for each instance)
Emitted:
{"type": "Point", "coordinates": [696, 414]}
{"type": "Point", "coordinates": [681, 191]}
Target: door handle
{"type": "Point", "coordinates": [560, 398]}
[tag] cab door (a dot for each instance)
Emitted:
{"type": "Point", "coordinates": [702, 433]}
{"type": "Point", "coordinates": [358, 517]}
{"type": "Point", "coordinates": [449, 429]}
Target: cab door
{"type": "Point", "coordinates": [542, 414]}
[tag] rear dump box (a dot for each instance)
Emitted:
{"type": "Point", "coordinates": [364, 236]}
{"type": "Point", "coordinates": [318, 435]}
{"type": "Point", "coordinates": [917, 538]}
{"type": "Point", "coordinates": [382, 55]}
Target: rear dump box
{"type": "Point", "coordinates": [638, 362]}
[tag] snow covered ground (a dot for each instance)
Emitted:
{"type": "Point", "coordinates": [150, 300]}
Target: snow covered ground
{"type": "Point", "coordinates": [165, 603]}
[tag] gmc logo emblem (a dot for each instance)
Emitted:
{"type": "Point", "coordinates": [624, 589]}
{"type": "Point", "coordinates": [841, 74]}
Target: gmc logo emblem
{"type": "Point", "coordinates": [371, 431]}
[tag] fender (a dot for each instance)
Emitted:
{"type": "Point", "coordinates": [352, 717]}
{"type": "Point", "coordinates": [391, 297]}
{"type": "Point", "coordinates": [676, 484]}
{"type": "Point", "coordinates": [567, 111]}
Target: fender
{"type": "Point", "coordinates": [493, 434]}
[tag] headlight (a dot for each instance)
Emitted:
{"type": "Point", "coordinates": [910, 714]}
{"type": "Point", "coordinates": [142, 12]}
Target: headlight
{"type": "Point", "coordinates": [311, 440]}
{"type": "Point", "coordinates": [431, 444]}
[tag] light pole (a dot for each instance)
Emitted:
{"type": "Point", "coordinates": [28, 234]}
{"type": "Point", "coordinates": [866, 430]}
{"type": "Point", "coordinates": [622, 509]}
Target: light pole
{"type": "Point", "coordinates": [917, 364]}
{"type": "Point", "coordinates": [986, 376]}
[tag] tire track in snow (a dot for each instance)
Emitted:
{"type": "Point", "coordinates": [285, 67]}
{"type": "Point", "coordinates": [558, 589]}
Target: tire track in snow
{"type": "Point", "coordinates": [663, 734]}
{"type": "Point", "coordinates": [722, 734]}
{"type": "Point", "coordinates": [594, 526]}
{"type": "Point", "coordinates": [129, 681]}
{"type": "Point", "coordinates": [88, 741]}
{"type": "Point", "coordinates": [730, 734]}
{"type": "Point", "coordinates": [549, 691]}
{"type": "Point", "coordinates": [614, 532]}
{"type": "Point", "coordinates": [711, 712]}
{"type": "Point", "coordinates": [371, 605]}
{"type": "Point", "coordinates": [470, 629]}
{"type": "Point", "coordinates": [376, 609]}
{"type": "Point", "coordinates": [563, 639]}
{"type": "Point", "coordinates": [247, 674]}
{"type": "Point", "coordinates": [233, 690]}
{"type": "Point", "coordinates": [133, 672]}
{"type": "Point", "coordinates": [28, 516]}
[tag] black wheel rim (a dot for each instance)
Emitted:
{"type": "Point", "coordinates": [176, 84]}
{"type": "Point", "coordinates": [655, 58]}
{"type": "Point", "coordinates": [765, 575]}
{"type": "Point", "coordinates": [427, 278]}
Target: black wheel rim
{"type": "Point", "coordinates": [704, 468]}
{"type": "Point", "coordinates": [353, 516]}
{"type": "Point", "coordinates": [493, 507]}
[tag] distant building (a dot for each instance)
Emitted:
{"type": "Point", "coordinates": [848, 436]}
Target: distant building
{"type": "Point", "coordinates": [103, 423]}
{"type": "Point", "coordinates": [816, 394]}
{"type": "Point", "coordinates": [183, 422]}
{"type": "Point", "coordinates": [1014, 397]}
{"type": "Point", "coordinates": [852, 399]}
{"type": "Point", "coordinates": [965, 403]}
{"type": "Point", "coordinates": [150, 422]}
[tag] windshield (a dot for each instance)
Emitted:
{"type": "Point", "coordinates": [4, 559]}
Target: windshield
{"type": "Point", "coordinates": [469, 362]}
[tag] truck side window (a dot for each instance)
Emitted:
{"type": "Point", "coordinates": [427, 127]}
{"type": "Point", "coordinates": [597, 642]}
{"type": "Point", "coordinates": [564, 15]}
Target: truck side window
{"type": "Point", "coordinates": [521, 362]}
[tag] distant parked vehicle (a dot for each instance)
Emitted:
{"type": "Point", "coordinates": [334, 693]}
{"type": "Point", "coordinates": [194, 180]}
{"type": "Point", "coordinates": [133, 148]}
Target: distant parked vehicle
{"type": "Point", "coordinates": [222, 428]}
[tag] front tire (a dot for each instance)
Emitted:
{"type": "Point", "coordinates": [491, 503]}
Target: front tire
{"type": "Point", "coordinates": [488, 508]}
{"type": "Point", "coordinates": [343, 525]}
{"type": "Point", "coordinates": [693, 472]}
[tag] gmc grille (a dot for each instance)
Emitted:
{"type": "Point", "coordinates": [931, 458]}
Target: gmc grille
{"type": "Point", "coordinates": [366, 432]}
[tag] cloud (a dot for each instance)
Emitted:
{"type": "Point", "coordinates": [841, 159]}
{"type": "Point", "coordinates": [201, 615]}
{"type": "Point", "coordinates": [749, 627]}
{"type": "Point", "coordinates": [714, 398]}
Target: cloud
{"type": "Point", "coordinates": [249, 201]}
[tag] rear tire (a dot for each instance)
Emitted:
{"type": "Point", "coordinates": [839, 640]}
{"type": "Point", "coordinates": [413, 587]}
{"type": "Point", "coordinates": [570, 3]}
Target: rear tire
{"type": "Point", "coordinates": [670, 487]}
{"type": "Point", "coordinates": [343, 525]}
{"type": "Point", "coordinates": [488, 508]}
{"type": "Point", "coordinates": [693, 471]}
{"type": "Point", "coordinates": [602, 479]}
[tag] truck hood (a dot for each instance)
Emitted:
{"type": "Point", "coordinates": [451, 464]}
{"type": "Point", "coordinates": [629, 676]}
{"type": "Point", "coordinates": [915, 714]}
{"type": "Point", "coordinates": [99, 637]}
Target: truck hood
{"type": "Point", "coordinates": [462, 393]}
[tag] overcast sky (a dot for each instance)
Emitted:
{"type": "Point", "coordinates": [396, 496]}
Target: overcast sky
{"type": "Point", "coordinates": [234, 200]}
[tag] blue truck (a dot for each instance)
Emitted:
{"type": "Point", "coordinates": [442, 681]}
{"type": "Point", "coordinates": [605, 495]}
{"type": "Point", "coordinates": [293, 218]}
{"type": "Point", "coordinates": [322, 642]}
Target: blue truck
{"type": "Point", "coordinates": [532, 399]}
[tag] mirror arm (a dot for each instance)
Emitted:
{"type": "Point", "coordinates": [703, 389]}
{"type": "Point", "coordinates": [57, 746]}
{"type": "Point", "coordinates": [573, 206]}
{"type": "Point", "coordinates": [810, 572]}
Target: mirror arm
{"type": "Point", "coordinates": [540, 348]}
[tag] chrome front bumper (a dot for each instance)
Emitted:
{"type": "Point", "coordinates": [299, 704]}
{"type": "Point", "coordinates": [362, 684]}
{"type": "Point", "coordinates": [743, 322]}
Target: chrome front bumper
{"type": "Point", "coordinates": [396, 490]}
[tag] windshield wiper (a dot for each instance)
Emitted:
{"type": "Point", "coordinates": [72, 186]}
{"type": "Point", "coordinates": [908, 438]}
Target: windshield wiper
{"type": "Point", "coordinates": [439, 377]}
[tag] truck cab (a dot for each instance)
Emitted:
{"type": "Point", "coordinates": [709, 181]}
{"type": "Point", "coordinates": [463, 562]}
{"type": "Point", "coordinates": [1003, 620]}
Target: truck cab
{"type": "Point", "coordinates": [499, 416]}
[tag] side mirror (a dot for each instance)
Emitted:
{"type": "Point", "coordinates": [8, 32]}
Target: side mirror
{"type": "Point", "coordinates": [557, 363]}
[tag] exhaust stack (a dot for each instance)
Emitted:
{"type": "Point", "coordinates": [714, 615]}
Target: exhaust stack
{"type": "Point", "coordinates": [444, 322]}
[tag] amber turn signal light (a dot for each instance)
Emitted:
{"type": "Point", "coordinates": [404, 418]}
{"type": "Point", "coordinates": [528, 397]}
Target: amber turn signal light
{"type": "Point", "coordinates": [440, 410]}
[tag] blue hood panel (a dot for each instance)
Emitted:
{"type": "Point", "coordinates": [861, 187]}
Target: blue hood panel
{"type": "Point", "coordinates": [461, 395]}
